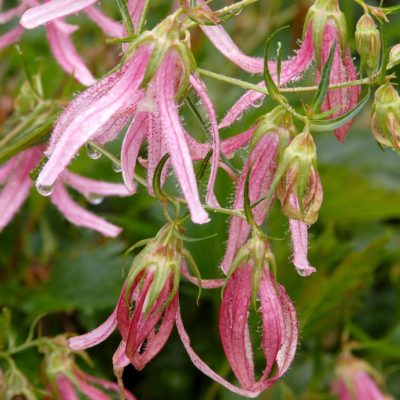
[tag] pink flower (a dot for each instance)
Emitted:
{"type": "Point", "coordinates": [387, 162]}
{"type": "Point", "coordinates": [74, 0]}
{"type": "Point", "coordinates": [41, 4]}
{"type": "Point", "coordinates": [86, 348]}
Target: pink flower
{"type": "Point", "coordinates": [17, 183]}
{"type": "Point", "coordinates": [58, 31]}
{"type": "Point", "coordinates": [279, 328]}
{"type": "Point", "coordinates": [354, 380]}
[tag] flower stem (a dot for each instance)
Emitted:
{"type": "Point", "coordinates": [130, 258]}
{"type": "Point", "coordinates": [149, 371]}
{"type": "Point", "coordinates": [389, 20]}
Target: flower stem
{"type": "Point", "coordinates": [143, 17]}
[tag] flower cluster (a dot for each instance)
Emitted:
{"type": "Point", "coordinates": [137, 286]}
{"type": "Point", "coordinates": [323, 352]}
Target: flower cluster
{"type": "Point", "coordinates": [140, 101]}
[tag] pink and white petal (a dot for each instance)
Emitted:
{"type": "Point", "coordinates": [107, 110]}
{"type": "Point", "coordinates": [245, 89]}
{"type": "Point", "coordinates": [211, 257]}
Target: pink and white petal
{"type": "Point", "coordinates": [77, 215]}
{"type": "Point", "coordinates": [7, 16]}
{"type": "Point", "coordinates": [108, 25]}
{"type": "Point", "coordinates": [11, 37]}
{"type": "Point", "coordinates": [95, 336]}
{"type": "Point", "coordinates": [203, 367]}
{"type": "Point", "coordinates": [175, 136]}
{"type": "Point", "coordinates": [51, 10]}
{"type": "Point", "coordinates": [66, 56]}
{"type": "Point", "coordinates": [130, 148]}
{"type": "Point", "coordinates": [65, 27]}
{"type": "Point", "coordinates": [88, 186]}
{"type": "Point", "coordinates": [90, 391]}
{"type": "Point", "coordinates": [120, 360]}
{"type": "Point", "coordinates": [65, 388]}
{"type": "Point", "coordinates": [7, 168]}
{"type": "Point", "coordinates": [87, 123]}
{"type": "Point", "coordinates": [18, 184]}
{"type": "Point", "coordinates": [136, 9]}
{"type": "Point", "coordinates": [201, 90]}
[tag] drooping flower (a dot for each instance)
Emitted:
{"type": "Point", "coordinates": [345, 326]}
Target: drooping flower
{"type": "Point", "coordinates": [146, 88]}
{"type": "Point", "coordinates": [270, 138]}
{"type": "Point", "coordinates": [146, 310]}
{"type": "Point", "coordinates": [15, 176]}
{"type": "Point", "coordinates": [355, 379]}
{"type": "Point", "coordinates": [67, 382]}
{"type": "Point", "coordinates": [58, 31]}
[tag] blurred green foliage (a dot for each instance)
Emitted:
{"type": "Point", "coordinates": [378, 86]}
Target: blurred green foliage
{"type": "Point", "coordinates": [74, 276]}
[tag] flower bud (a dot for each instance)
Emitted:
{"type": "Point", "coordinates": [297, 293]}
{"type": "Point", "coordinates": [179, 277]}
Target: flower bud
{"type": "Point", "coordinates": [15, 385]}
{"type": "Point", "coordinates": [368, 43]}
{"type": "Point", "coordinates": [279, 121]}
{"type": "Point", "coordinates": [320, 15]}
{"type": "Point", "coordinates": [297, 180]}
{"type": "Point", "coordinates": [394, 56]}
{"type": "Point", "coordinates": [385, 120]}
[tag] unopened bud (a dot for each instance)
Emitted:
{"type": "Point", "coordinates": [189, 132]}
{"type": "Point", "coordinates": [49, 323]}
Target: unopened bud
{"type": "Point", "coordinates": [280, 122]}
{"type": "Point", "coordinates": [15, 385]}
{"type": "Point", "coordinates": [385, 120]}
{"type": "Point", "coordinates": [322, 14]}
{"type": "Point", "coordinates": [368, 43]}
{"type": "Point", "coordinates": [394, 56]}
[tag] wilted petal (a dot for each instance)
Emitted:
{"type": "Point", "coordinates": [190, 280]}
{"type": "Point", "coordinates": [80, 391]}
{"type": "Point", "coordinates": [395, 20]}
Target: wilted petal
{"type": "Point", "coordinates": [175, 136]}
{"type": "Point", "coordinates": [263, 163]}
{"type": "Point", "coordinates": [201, 90]}
{"type": "Point", "coordinates": [109, 26]}
{"type": "Point", "coordinates": [130, 148]}
{"type": "Point", "coordinates": [85, 124]}
{"type": "Point", "coordinates": [203, 367]}
{"type": "Point", "coordinates": [65, 54]}
{"type": "Point", "coordinates": [51, 10]}
{"type": "Point", "coordinates": [78, 215]}
{"type": "Point", "coordinates": [95, 336]}
{"type": "Point", "coordinates": [11, 37]}
{"type": "Point", "coordinates": [88, 186]}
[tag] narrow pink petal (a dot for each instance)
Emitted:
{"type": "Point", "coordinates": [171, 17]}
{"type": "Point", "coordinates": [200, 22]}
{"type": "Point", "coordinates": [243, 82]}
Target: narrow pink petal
{"type": "Point", "coordinates": [343, 70]}
{"type": "Point", "coordinates": [65, 54]}
{"type": "Point", "coordinates": [83, 101]}
{"type": "Point", "coordinates": [65, 27]}
{"type": "Point", "coordinates": [205, 283]}
{"type": "Point", "coordinates": [341, 390]}
{"type": "Point", "coordinates": [136, 9]}
{"type": "Point", "coordinates": [263, 163]}
{"type": "Point", "coordinates": [7, 168]}
{"type": "Point", "coordinates": [299, 234]}
{"type": "Point", "coordinates": [78, 215]}
{"type": "Point", "coordinates": [175, 135]}
{"type": "Point", "coordinates": [95, 336]}
{"type": "Point", "coordinates": [88, 186]}
{"type": "Point", "coordinates": [11, 37]}
{"type": "Point", "coordinates": [7, 16]}
{"type": "Point", "coordinates": [51, 10]}
{"type": "Point", "coordinates": [365, 388]}
{"type": "Point", "coordinates": [109, 26]}
{"type": "Point", "coordinates": [291, 70]}
{"type": "Point", "coordinates": [233, 326]}
{"type": "Point", "coordinates": [18, 184]}
{"type": "Point", "coordinates": [130, 148]}
{"type": "Point", "coordinates": [85, 124]}
{"type": "Point", "coordinates": [203, 367]}
{"type": "Point", "coordinates": [106, 384]}
{"type": "Point", "coordinates": [65, 388]}
{"type": "Point", "coordinates": [90, 391]}
{"type": "Point", "coordinates": [156, 149]}
{"type": "Point", "coordinates": [201, 90]}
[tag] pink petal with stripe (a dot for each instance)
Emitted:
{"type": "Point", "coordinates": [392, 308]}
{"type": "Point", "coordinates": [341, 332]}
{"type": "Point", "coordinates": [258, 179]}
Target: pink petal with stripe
{"type": "Point", "coordinates": [108, 26]}
{"type": "Point", "coordinates": [11, 37]}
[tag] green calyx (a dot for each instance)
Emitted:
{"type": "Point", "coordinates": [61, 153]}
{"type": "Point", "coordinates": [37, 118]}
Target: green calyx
{"type": "Point", "coordinates": [320, 15]}
{"type": "Point", "coordinates": [279, 121]}
{"type": "Point", "coordinates": [385, 120]}
{"type": "Point", "coordinates": [162, 259]}
{"type": "Point", "coordinates": [368, 43]}
{"type": "Point", "coordinates": [14, 384]}
{"type": "Point", "coordinates": [394, 56]}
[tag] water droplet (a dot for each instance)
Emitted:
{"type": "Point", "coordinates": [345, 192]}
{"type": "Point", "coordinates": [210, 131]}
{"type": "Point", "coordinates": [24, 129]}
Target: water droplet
{"type": "Point", "coordinates": [94, 198]}
{"type": "Point", "coordinates": [44, 190]}
{"type": "Point", "coordinates": [258, 103]}
{"type": "Point", "coordinates": [92, 152]}
{"type": "Point", "coordinates": [239, 117]}
{"type": "Point", "coordinates": [116, 167]}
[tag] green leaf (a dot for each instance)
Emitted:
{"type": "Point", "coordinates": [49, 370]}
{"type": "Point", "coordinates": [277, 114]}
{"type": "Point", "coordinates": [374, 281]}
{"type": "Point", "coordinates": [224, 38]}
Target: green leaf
{"type": "Point", "coordinates": [246, 201]}
{"type": "Point", "coordinates": [332, 124]}
{"type": "Point", "coordinates": [157, 178]}
{"type": "Point", "coordinates": [269, 82]}
{"type": "Point", "coordinates": [324, 82]}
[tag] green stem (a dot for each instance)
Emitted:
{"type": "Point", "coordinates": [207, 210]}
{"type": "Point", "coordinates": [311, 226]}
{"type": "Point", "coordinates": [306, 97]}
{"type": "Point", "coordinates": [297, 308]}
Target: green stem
{"type": "Point", "coordinates": [143, 17]}
{"type": "Point", "coordinates": [22, 347]}
{"type": "Point", "coordinates": [126, 17]}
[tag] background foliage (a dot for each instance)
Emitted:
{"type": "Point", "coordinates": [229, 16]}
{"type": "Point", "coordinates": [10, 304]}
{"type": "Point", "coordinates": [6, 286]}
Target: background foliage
{"type": "Point", "coordinates": [74, 276]}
